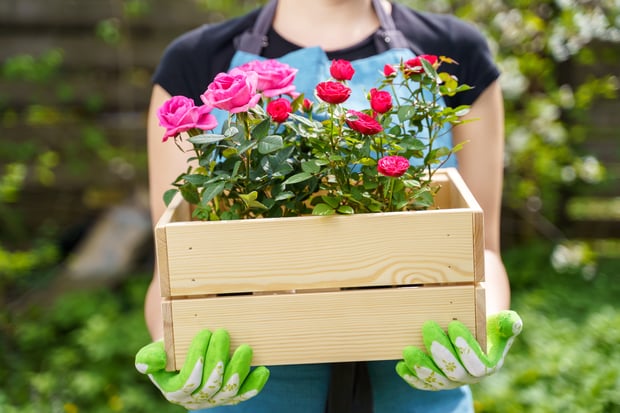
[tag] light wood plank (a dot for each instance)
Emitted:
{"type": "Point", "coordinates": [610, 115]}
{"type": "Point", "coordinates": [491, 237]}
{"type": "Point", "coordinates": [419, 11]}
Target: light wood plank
{"type": "Point", "coordinates": [481, 316]}
{"type": "Point", "coordinates": [367, 324]}
{"type": "Point", "coordinates": [167, 315]}
{"type": "Point", "coordinates": [400, 248]}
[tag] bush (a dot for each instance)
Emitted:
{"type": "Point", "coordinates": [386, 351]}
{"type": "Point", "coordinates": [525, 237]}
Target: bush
{"type": "Point", "coordinates": [567, 358]}
{"type": "Point", "coordinates": [77, 355]}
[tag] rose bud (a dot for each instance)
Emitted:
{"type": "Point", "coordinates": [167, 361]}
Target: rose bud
{"type": "Point", "coordinates": [341, 69]}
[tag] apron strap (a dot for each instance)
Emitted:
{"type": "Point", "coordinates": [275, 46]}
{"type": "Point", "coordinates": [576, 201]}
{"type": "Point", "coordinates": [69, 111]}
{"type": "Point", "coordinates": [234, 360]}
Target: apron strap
{"type": "Point", "coordinates": [388, 36]}
{"type": "Point", "coordinates": [255, 39]}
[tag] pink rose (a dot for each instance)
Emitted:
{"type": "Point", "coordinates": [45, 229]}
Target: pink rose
{"type": "Point", "coordinates": [380, 100]}
{"type": "Point", "coordinates": [392, 166]}
{"type": "Point", "coordinates": [179, 114]}
{"type": "Point", "coordinates": [414, 65]}
{"type": "Point", "coordinates": [274, 78]}
{"type": "Point", "coordinates": [332, 92]}
{"type": "Point", "coordinates": [363, 123]}
{"type": "Point", "coordinates": [279, 109]}
{"type": "Point", "coordinates": [234, 91]}
{"type": "Point", "coordinates": [341, 69]}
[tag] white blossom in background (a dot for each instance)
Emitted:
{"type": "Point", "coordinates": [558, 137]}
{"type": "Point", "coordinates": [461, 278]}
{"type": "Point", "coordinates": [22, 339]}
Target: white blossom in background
{"type": "Point", "coordinates": [568, 174]}
{"type": "Point", "coordinates": [589, 169]}
{"type": "Point", "coordinates": [517, 140]}
{"type": "Point", "coordinates": [566, 96]}
{"type": "Point", "coordinates": [512, 81]}
{"type": "Point", "coordinates": [574, 256]}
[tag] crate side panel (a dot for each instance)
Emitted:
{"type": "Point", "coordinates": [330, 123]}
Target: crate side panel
{"type": "Point", "coordinates": [481, 316]}
{"type": "Point", "coordinates": [373, 324]}
{"type": "Point", "coordinates": [167, 316]}
{"type": "Point", "coordinates": [320, 252]}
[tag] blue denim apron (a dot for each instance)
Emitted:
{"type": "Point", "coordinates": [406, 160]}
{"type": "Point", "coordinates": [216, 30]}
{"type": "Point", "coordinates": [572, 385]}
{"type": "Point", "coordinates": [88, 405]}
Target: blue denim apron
{"type": "Point", "coordinates": [304, 388]}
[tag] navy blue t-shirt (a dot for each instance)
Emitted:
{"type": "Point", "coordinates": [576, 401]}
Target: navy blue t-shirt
{"type": "Point", "coordinates": [192, 60]}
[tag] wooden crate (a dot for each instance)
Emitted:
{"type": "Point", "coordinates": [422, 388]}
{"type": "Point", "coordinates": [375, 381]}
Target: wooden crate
{"type": "Point", "coordinates": [323, 289]}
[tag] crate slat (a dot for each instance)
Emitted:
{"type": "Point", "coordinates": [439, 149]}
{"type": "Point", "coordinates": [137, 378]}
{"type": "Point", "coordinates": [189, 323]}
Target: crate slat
{"type": "Point", "coordinates": [337, 326]}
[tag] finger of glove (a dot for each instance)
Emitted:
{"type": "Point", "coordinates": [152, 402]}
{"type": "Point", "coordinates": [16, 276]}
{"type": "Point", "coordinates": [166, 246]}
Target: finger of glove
{"type": "Point", "coordinates": [420, 366]}
{"type": "Point", "coordinates": [216, 359]}
{"type": "Point", "coordinates": [253, 384]}
{"type": "Point", "coordinates": [443, 353]}
{"type": "Point", "coordinates": [178, 387]}
{"type": "Point", "coordinates": [502, 328]}
{"type": "Point", "coordinates": [151, 358]}
{"type": "Point", "coordinates": [236, 372]}
{"type": "Point", "coordinates": [469, 351]}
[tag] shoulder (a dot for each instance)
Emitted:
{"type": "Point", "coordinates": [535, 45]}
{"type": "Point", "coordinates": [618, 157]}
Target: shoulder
{"type": "Point", "coordinates": [435, 33]}
{"type": "Point", "coordinates": [447, 35]}
{"type": "Point", "coordinates": [191, 60]}
{"type": "Point", "coordinates": [209, 38]}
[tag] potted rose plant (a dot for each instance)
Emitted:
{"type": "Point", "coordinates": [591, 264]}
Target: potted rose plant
{"type": "Point", "coordinates": [361, 200]}
{"type": "Point", "coordinates": [280, 154]}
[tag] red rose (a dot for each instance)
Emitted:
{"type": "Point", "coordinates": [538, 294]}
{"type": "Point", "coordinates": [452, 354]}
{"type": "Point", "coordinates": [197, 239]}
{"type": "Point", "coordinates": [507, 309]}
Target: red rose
{"type": "Point", "coordinates": [306, 105]}
{"type": "Point", "coordinates": [279, 109]}
{"type": "Point", "coordinates": [388, 70]}
{"type": "Point", "coordinates": [380, 100]}
{"type": "Point", "coordinates": [341, 70]}
{"type": "Point", "coordinates": [392, 166]}
{"type": "Point", "coordinates": [414, 65]}
{"type": "Point", "coordinates": [363, 123]}
{"type": "Point", "coordinates": [332, 92]}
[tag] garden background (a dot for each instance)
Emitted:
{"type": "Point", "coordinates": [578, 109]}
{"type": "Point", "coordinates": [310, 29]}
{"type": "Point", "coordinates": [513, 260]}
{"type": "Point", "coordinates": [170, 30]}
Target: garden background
{"type": "Point", "coordinates": [76, 247]}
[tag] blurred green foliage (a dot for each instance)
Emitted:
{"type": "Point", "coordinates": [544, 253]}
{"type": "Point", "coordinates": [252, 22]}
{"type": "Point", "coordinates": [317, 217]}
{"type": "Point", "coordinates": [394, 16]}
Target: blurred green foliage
{"type": "Point", "coordinates": [552, 55]}
{"type": "Point", "coordinates": [567, 358]}
{"type": "Point", "coordinates": [77, 354]}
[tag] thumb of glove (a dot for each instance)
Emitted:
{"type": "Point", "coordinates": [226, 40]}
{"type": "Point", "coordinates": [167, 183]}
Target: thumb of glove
{"type": "Point", "coordinates": [151, 358]}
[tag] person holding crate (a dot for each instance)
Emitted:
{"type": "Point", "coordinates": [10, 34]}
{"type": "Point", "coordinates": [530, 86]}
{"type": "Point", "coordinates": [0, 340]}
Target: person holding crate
{"type": "Point", "coordinates": [358, 31]}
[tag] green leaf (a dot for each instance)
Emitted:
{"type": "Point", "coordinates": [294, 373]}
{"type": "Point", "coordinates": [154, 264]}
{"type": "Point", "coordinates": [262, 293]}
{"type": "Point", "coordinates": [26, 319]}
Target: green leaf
{"type": "Point", "coordinates": [300, 177]}
{"type": "Point", "coordinates": [312, 166]}
{"type": "Point", "coordinates": [270, 144]}
{"type": "Point", "coordinates": [206, 139]}
{"type": "Point", "coordinates": [261, 130]}
{"type": "Point", "coordinates": [284, 195]}
{"type": "Point", "coordinates": [212, 190]}
{"type": "Point", "coordinates": [246, 146]}
{"type": "Point", "coordinates": [346, 210]}
{"type": "Point", "coordinates": [169, 195]}
{"type": "Point", "coordinates": [331, 200]}
{"type": "Point", "coordinates": [196, 179]}
{"type": "Point", "coordinates": [461, 110]}
{"type": "Point", "coordinates": [323, 210]}
{"type": "Point", "coordinates": [232, 131]}
{"type": "Point", "coordinates": [190, 193]}
{"type": "Point", "coordinates": [250, 200]}
{"type": "Point", "coordinates": [406, 112]}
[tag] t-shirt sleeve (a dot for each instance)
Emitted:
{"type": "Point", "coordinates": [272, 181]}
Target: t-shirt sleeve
{"type": "Point", "coordinates": [476, 66]}
{"type": "Point", "coordinates": [446, 35]}
{"type": "Point", "coordinates": [193, 59]}
{"type": "Point", "coordinates": [173, 72]}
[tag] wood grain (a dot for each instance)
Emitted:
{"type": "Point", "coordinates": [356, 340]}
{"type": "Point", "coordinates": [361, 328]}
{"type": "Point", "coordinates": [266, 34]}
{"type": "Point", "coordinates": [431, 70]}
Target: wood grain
{"type": "Point", "coordinates": [349, 325]}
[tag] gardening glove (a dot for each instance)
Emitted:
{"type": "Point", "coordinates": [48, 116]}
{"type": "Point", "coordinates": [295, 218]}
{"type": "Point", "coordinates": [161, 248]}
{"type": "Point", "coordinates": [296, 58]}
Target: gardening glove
{"type": "Point", "coordinates": [208, 378]}
{"type": "Point", "coordinates": [456, 359]}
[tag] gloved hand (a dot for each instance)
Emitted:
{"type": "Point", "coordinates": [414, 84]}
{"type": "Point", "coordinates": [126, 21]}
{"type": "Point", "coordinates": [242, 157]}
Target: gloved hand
{"type": "Point", "coordinates": [455, 359]}
{"type": "Point", "coordinates": [208, 378]}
